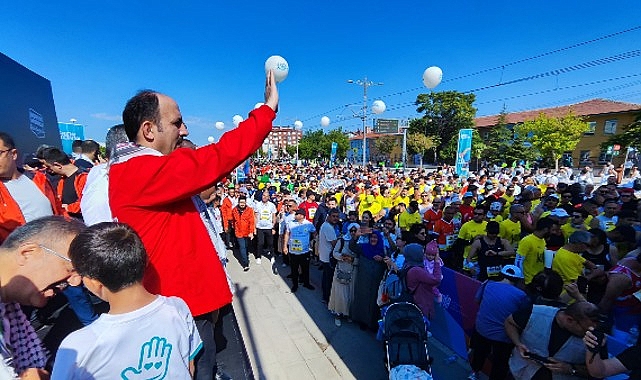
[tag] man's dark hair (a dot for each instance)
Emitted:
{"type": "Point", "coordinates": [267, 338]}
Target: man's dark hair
{"type": "Point", "coordinates": [54, 155]}
{"type": "Point", "coordinates": [43, 230]}
{"type": "Point", "coordinates": [144, 106]}
{"type": "Point", "coordinates": [76, 145]}
{"type": "Point", "coordinates": [111, 253]}
{"type": "Point", "coordinates": [7, 140]}
{"type": "Point", "coordinates": [582, 311]}
{"type": "Point", "coordinates": [333, 211]}
{"type": "Point", "coordinates": [90, 146]}
{"type": "Point", "coordinates": [547, 284]}
{"type": "Point", "coordinates": [116, 135]}
{"type": "Point", "coordinates": [492, 227]}
{"type": "Point", "coordinates": [544, 223]}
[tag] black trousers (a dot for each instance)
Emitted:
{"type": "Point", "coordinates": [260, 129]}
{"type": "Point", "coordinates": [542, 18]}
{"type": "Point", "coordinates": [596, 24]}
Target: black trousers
{"type": "Point", "coordinates": [501, 351]}
{"type": "Point", "coordinates": [205, 360]}
{"type": "Point", "coordinates": [299, 261]}
{"type": "Point", "coordinates": [328, 278]}
{"type": "Point", "coordinates": [265, 242]}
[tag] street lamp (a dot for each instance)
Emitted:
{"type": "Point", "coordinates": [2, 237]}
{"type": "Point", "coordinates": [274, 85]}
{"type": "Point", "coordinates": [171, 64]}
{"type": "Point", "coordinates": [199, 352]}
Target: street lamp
{"type": "Point", "coordinates": [365, 83]}
{"type": "Point", "coordinates": [298, 126]}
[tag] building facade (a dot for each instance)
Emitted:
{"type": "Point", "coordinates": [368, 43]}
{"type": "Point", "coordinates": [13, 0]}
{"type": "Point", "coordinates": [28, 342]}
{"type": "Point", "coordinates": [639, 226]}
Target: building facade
{"type": "Point", "coordinates": [279, 139]}
{"type": "Point", "coordinates": [605, 118]}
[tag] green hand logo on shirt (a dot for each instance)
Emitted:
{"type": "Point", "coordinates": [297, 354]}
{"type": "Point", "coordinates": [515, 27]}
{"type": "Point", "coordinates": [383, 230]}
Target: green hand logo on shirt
{"type": "Point", "coordinates": [153, 363]}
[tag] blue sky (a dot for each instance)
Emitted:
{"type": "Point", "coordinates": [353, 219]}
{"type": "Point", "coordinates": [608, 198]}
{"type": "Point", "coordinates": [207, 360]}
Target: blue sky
{"type": "Point", "coordinates": [210, 56]}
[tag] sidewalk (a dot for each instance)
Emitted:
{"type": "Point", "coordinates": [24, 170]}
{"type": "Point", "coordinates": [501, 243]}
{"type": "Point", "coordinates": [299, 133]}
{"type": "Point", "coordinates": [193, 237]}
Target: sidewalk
{"type": "Point", "coordinates": [293, 336]}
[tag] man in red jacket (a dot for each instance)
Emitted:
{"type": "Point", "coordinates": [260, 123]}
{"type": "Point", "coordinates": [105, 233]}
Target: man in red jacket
{"type": "Point", "coordinates": [151, 184]}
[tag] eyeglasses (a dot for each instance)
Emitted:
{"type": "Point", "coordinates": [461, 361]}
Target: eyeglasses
{"type": "Point", "coordinates": [353, 230]}
{"type": "Point", "coordinates": [5, 151]}
{"type": "Point", "coordinates": [52, 252]}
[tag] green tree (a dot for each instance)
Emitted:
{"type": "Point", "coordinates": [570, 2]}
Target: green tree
{"type": "Point", "coordinates": [631, 135]}
{"type": "Point", "coordinates": [385, 145]}
{"type": "Point", "coordinates": [503, 145]}
{"type": "Point", "coordinates": [420, 144]}
{"type": "Point", "coordinates": [478, 147]}
{"type": "Point", "coordinates": [316, 144]}
{"type": "Point", "coordinates": [551, 136]}
{"type": "Point", "coordinates": [445, 113]}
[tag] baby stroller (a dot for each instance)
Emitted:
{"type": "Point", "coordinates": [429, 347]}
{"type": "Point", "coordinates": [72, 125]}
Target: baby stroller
{"type": "Point", "coordinates": [405, 337]}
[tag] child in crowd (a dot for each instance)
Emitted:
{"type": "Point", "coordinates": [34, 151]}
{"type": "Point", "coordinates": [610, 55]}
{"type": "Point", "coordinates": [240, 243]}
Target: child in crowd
{"type": "Point", "coordinates": [144, 335]}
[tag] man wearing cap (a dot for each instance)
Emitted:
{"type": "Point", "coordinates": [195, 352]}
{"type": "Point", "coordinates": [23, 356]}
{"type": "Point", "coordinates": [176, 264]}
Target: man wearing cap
{"type": "Point", "coordinates": [568, 261]}
{"type": "Point", "coordinates": [297, 245]}
{"type": "Point", "coordinates": [497, 300]}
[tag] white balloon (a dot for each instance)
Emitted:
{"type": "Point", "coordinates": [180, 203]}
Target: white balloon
{"type": "Point", "coordinates": [237, 119]}
{"type": "Point", "coordinates": [258, 105]}
{"type": "Point", "coordinates": [432, 76]}
{"type": "Point", "coordinates": [210, 139]}
{"type": "Point", "coordinates": [378, 107]}
{"type": "Point", "coordinates": [324, 121]}
{"type": "Point", "coordinates": [298, 124]}
{"type": "Point", "coordinates": [279, 65]}
{"type": "Point", "coordinates": [220, 125]}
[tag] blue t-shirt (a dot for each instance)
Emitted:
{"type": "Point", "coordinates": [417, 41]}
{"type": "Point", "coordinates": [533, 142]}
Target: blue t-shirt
{"type": "Point", "coordinates": [299, 236]}
{"type": "Point", "coordinates": [498, 301]}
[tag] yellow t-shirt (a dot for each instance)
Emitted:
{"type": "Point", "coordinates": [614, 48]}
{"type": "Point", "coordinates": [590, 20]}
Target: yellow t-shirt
{"type": "Point", "coordinates": [532, 248]}
{"type": "Point", "coordinates": [405, 200]}
{"type": "Point", "coordinates": [405, 220]}
{"type": "Point", "coordinates": [470, 230]}
{"type": "Point", "coordinates": [511, 231]}
{"type": "Point", "coordinates": [568, 264]}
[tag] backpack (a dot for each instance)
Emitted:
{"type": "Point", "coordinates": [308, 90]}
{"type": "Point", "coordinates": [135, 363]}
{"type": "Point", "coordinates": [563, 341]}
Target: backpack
{"type": "Point", "coordinates": [396, 287]}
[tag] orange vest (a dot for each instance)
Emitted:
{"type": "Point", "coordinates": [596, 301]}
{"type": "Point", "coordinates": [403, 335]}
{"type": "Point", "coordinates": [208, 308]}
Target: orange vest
{"type": "Point", "coordinates": [78, 184]}
{"type": "Point", "coordinates": [11, 216]}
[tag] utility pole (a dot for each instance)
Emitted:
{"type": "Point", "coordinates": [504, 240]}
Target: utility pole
{"type": "Point", "coordinates": [365, 83]}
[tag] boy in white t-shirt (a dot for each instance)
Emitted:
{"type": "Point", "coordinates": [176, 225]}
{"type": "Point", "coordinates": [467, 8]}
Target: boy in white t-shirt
{"type": "Point", "coordinates": [144, 336]}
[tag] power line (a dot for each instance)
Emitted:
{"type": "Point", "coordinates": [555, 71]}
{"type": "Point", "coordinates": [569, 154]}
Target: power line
{"type": "Point", "coordinates": [581, 66]}
{"type": "Point", "coordinates": [607, 36]}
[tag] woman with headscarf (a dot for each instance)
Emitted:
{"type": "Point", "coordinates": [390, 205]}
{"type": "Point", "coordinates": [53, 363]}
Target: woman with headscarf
{"type": "Point", "coordinates": [370, 252]}
{"type": "Point", "coordinates": [420, 281]}
{"type": "Point", "coordinates": [340, 298]}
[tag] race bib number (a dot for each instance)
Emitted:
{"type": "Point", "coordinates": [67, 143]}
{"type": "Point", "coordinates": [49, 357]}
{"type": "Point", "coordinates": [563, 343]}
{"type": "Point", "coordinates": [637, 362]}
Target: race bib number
{"type": "Point", "coordinates": [450, 240]}
{"type": "Point", "coordinates": [493, 271]}
{"type": "Point", "coordinates": [265, 215]}
{"type": "Point", "coordinates": [312, 212]}
{"type": "Point", "coordinates": [297, 245]}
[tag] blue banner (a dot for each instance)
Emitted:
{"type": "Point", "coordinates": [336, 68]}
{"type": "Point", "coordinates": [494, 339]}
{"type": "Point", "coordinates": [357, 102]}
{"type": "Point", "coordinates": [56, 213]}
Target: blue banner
{"type": "Point", "coordinates": [464, 152]}
{"type": "Point", "coordinates": [332, 156]}
{"type": "Point", "coordinates": [70, 132]}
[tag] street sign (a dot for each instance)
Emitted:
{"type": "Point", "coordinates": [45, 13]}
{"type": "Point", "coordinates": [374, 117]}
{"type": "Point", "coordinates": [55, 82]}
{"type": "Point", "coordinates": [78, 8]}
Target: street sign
{"type": "Point", "coordinates": [386, 126]}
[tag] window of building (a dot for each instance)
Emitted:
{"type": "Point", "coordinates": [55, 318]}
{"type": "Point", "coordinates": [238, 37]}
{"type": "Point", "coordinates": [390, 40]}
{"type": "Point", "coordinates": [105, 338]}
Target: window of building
{"type": "Point", "coordinates": [605, 156]}
{"type": "Point", "coordinates": [591, 128]}
{"type": "Point", "coordinates": [584, 158]}
{"type": "Point", "coordinates": [610, 127]}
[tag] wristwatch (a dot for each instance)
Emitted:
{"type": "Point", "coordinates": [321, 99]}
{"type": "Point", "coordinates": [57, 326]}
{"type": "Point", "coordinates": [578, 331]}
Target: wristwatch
{"type": "Point", "coordinates": [573, 370]}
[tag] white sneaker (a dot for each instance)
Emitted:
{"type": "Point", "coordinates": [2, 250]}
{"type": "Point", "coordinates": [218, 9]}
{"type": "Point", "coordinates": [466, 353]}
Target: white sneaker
{"type": "Point", "coordinates": [258, 261]}
{"type": "Point", "coordinates": [272, 260]}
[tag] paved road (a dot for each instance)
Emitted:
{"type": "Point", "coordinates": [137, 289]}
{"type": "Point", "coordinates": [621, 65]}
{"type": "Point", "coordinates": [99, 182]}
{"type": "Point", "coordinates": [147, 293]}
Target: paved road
{"type": "Point", "coordinates": [293, 336]}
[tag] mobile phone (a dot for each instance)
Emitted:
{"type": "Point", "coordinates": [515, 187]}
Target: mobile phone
{"type": "Point", "coordinates": [599, 332]}
{"type": "Point", "coordinates": [538, 358]}
{"type": "Point", "coordinates": [582, 284]}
